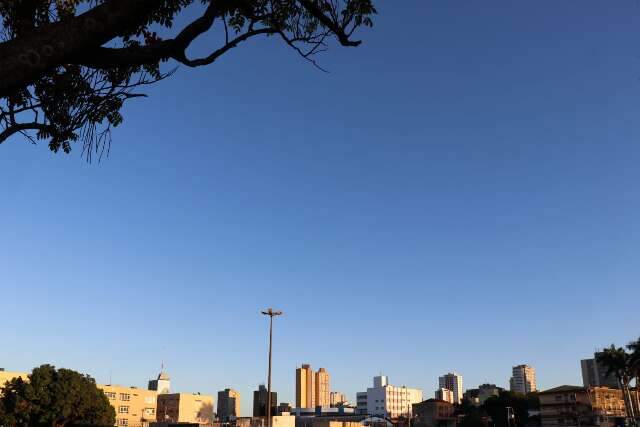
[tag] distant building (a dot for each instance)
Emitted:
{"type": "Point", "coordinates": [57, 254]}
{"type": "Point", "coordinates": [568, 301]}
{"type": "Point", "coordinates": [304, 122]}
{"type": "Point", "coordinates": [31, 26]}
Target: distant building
{"type": "Point", "coordinates": [228, 405]}
{"type": "Point", "coordinates": [312, 388]}
{"type": "Point", "coordinates": [336, 398]}
{"type": "Point", "coordinates": [283, 408]}
{"type": "Point", "coordinates": [452, 381]}
{"type": "Point", "coordinates": [162, 384]}
{"type": "Point", "coordinates": [276, 421]}
{"type": "Point", "coordinates": [433, 413]}
{"type": "Point", "coordinates": [134, 407]}
{"type": "Point", "coordinates": [361, 402]}
{"type": "Point", "coordinates": [579, 406]}
{"type": "Point", "coordinates": [260, 402]}
{"type": "Point", "coordinates": [523, 379]}
{"type": "Point", "coordinates": [471, 395]}
{"type": "Point", "coordinates": [486, 391]}
{"type": "Point", "coordinates": [386, 400]}
{"type": "Point", "coordinates": [445, 394]}
{"type": "Point", "coordinates": [594, 374]}
{"type": "Point", "coordinates": [185, 408]}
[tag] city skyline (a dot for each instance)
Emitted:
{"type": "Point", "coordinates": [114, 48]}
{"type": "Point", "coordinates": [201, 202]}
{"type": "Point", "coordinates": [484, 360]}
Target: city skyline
{"type": "Point", "coordinates": [453, 191]}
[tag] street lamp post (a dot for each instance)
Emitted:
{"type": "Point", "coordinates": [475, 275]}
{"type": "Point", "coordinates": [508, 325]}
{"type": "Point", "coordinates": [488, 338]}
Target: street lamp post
{"type": "Point", "coordinates": [271, 313]}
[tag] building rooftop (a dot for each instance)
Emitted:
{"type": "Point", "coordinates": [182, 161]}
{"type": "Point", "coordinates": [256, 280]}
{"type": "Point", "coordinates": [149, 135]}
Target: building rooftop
{"type": "Point", "coordinates": [563, 388]}
{"type": "Point", "coordinates": [163, 376]}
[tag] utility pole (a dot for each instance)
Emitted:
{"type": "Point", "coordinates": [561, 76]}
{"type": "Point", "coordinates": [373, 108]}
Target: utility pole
{"type": "Point", "coordinates": [271, 313]}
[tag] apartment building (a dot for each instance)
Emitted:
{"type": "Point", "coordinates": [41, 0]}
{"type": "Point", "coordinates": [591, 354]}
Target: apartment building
{"type": "Point", "coordinates": [134, 407]}
{"type": "Point", "coordinates": [261, 402]}
{"type": "Point", "coordinates": [444, 394]}
{"type": "Point", "coordinates": [390, 401]}
{"type": "Point", "coordinates": [322, 388]}
{"type": "Point", "coordinates": [452, 381]}
{"type": "Point", "coordinates": [228, 405]}
{"type": "Point", "coordinates": [523, 379]}
{"type": "Point", "coordinates": [312, 388]}
{"type": "Point", "coordinates": [579, 406]}
{"type": "Point", "coordinates": [191, 408]}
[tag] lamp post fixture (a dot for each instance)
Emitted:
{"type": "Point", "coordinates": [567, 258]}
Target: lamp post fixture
{"type": "Point", "coordinates": [271, 313]}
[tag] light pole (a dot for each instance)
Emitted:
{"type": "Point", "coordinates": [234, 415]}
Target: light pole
{"type": "Point", "coordinates": [271, 313]}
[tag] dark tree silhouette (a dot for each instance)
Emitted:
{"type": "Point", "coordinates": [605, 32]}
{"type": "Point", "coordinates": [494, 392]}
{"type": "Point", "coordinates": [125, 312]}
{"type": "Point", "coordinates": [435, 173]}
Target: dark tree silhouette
{"type": "Point", "coordinates": [67, 66]}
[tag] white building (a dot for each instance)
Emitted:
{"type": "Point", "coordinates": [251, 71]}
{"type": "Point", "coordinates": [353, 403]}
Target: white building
{"type": "Point", "coordinates": [523, 379]}
{"type": "Point", "coordinates": [386, 400]}
{"type": "Point", "coordinates": [444, 394]}
{"type": "Point", "coordinates": [453, 381]}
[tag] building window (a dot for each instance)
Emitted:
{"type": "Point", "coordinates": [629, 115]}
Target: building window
{"type": "Point", "coordinates": [111, 395]}
{"type": "Point", "coordinates": [123, 409]}
{"type": "Point", "coordinates": [123, 422]}
{"type": "Point", "coordinates": [125, 397]}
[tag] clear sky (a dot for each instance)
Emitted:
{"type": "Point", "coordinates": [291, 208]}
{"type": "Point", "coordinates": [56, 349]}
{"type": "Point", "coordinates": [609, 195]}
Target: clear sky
{"type": "Point", "coordinates": [462, 192]}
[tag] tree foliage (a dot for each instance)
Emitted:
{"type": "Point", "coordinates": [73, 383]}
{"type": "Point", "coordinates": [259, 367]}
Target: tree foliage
{"type": "Point", "coordinates": [68, 66]}
{"type": "Point", "coordinates": [54, 398]}
{"type": "Point", "coordinates": [496, 407]}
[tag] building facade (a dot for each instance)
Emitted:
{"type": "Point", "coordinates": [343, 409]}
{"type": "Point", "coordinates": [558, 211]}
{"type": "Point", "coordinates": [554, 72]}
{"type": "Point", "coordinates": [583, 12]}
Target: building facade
{"type": "Point", "coordinates": [336, 398]}
{"type": "Point", "coordinates": [581, 406]}
{"type": "Point", "coordinates": [389, 401]}
{"type": "Point", "coordinates": [523, 379]}
{"type": "Point", "coordinates": [594, 374]}
{"type": "Point", "coordinates": [452, 381]}
{"type": "Point", "coordinates": [445, 394]}
{"type": "Point", "coordinates": [312, 388]}
{"type": "Point", "coordinates": [322, 388]}
{"type": "Point", "coordinates": [486, 391]}
{"type": "Point", "coordinates": [162, 384]}
{"type": "Point", "coordinates": [185, 408]}
{"type": "Point", "coordinates": [433, 413]}
{"type": "Point", "coordinates": [228, 405]}
{"type": "Point", "coordinates": [134, 407]}
{"type": "Point", "coordinates": [260, 401]}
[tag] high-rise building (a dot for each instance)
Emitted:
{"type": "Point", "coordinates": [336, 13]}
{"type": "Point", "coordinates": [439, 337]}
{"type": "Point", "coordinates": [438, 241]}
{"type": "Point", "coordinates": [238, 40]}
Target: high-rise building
{"type": "Point", "coordinates": [312, 388]}
{"type": "Point", "coordinates": [134, 407]}
{"type": "Point", "coordinates": [523, 379]}
{"type": "Point", "coordinates": [322, 388]}
{"type": "Point", "coordinates": [337, 398]}
{"type": "Point", "coordinates": [444, 394]}
{"type": "Point", "coordinates": [228, 405]}
{"type": "Point", "coordinates": [162, 384]}
{"type": "Point", "coordinates": [452, 381]}
{"type": "Point", "coordinates": [305, 387]}
{"type": "Point", "coordinates": [387, 400]}
{"type": "Point", "coordinates": [185, 408]}
{"type": "Point", "coordinates": [594, 374]}
{"type": "Point", "coordinates": [261, 399]}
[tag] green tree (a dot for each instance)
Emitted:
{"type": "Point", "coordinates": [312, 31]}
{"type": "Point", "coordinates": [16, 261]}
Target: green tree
{"type": "Point", "coordinates": [496, 408]}
{"type": "Point", "coordinates": [634, 367]}
{"type": "Point", "coordinates": [618, 363]}
{"type": "Point", "coordinates": [54, 398]}
{"type": "Point", "coordinates": [68, 66]}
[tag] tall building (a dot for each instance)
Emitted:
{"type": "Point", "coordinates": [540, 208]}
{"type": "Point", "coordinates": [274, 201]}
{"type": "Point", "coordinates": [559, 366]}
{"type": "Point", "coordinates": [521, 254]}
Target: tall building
{"type": "Point", "coordinates": [261, 399]}
{"type": "Point", "coordinates": [162, 384]}
{"type": "Point", "coordinates": [523, 379]}
{"type": "Point", "coordinates": [228, 405]}
{"type": "Point", "coordinates": [185, 408]}
{"type": "Point", "coordinates": [444, 394]}
{"type": "Point", "coordinates": [336, 398]}
{"type": "Point", "coordinates": [387, 400]}
{"type": "Point", "coordinates": [134, 407]}
{"type": "Point", "coordinates": [594, 374]}
{"type": "Point", "coordinates": [322, 388]}
{"type": "Point", "coordinates": [452, 381]}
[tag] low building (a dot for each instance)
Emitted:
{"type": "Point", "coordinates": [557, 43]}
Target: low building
{"type": "Point", "coordinates": [433, 413]}
{"type": "Point", "coordinates": [228, 405]}
{"type": "Point", "coordinates": [361, 402]}
{"type": "Point", "coordinates": [6, 376]}
{"type": "Point", "coordinates": [284, 408]}
{"type": "Point", "coordinates": [579, 406]}
{"type": "Point", "coordinates": [486, 391]}
{"type": "Point", "coordinates": [276, 421]}
{"type": "Point", "coordinates": [185, 408]}
{"type": "Point", "coordinates": [134, 407]}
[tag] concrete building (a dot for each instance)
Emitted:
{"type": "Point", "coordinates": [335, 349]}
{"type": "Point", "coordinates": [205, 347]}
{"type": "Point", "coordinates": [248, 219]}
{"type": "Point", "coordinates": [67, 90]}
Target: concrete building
{"type": "Point", "coordinates": [228, 405]}
{"type": "Point", "coordinates": [433, 413]}
{"type": "Point", "coordinates": [453, 381]}
{"type": "Point", "coordinates": [593, 374]}
{"type": "Point", "coordinates": [185, 408]}
{"type": "Point", "coordinates": [445, 394]}
{"type": "Point", "coordinates": [336, 398]}
{"type": "Point", "coordinates": [6, 376]}
{"type": "Point", "coordinates": [390, 401]}
{"type": "Point", "coordinates": [322, 388]}
{"type": "Point", "coordinates": [134, 407]}
{"type": "Point", "coordinates": [162, 384]}
{"type": "Point", "coordinates": [361, 402]}
{"type": "Point", "coordinates": [260, 402]}
{"type": "Point", "coordinates": [523, 379]}
{"type": "Point", "coordinates": [579, 406]}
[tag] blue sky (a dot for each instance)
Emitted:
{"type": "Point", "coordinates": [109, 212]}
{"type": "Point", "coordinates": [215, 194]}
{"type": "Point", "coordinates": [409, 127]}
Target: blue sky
{"type": "Point", "coordinates": [459, 193]}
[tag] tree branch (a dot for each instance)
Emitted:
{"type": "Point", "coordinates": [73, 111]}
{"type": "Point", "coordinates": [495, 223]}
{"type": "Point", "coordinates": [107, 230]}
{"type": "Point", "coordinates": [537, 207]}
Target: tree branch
{"type": "Point", "coordinates": [19, 127]}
